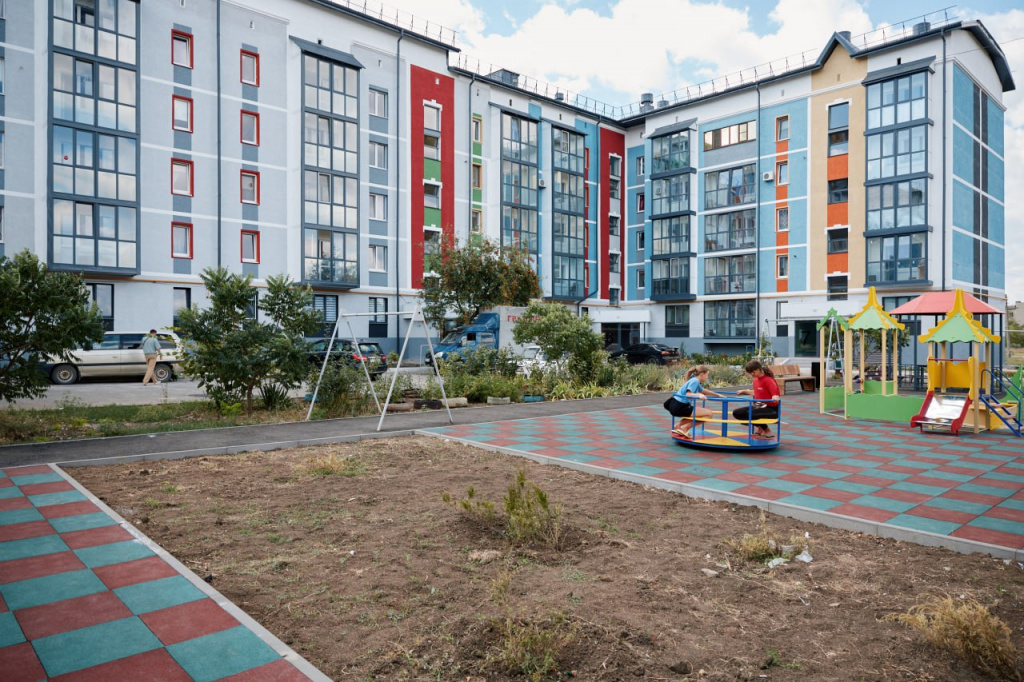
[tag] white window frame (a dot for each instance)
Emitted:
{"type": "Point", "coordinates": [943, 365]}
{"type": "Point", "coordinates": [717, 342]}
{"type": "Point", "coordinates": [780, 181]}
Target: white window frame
{"type": "Point", "coordinates": [189, 104]}
{"type": "Point", "coordinates": [255, 118]}
{"type": "Point", "coordinates": [641, 166]}
{"type": "Point", "coordinates": [436, 108]}
{"type": "Point", "coordinates": [378, 155]}
{"type": "Point", "coordinates": [255, 58]}
{"type": "Point", "coordinates": [378, 258]}
{"type": "Point", "coordinates": [641, 241]}
{"type": "Point", "coordinates": [255, 242]}
{"type": "Point", "coordinates": [779, 260]}
{"type": "Point", "coordinates": [189, 40]}
{"type": "Point", "coordinates": [2, 148]}
{"type": "Point", "coordinates": [378, 206]}
{"type": "Point", "coordinates": [476, 221]}
{"type": "Point", "coordinates": [778, 212]}
{"type": "Point", "coordinates": [437, 187]}
{"type": "Point", "coordinates": [3, 72]}
{"type": "Point", "coordinates": [641, 280]}
{"type": "Point", "coordinates": [478, 129]}
{"type": "Point", "coordinates": [187, 253]}
{"type": "Point", "coordinates": [378, 103]}
{"type": "Point", "coordinates": [777, 120]}
{"type": "Point", "coordinates": [1, 224]}
{"type": "Point", "coordinates": [190, 167]}
{"type": "Point", "coordinates": [255, 187]}
{"type": "Point", "coordinates": [779, 166]}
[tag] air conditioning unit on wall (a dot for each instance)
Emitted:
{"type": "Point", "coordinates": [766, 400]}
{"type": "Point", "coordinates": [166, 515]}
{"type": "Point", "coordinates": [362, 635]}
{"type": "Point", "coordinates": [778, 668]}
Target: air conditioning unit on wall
{"type": "Point", "coordinates": [768, 176]}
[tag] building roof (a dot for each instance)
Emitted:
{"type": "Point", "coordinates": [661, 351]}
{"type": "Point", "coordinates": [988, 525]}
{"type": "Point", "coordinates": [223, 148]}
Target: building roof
{"type": "Point", "coordinates": [959, 326]}
{"type": "Point", "coordinates": [941, 303]}
{"type": "Point", "coordinates": [873, 316]}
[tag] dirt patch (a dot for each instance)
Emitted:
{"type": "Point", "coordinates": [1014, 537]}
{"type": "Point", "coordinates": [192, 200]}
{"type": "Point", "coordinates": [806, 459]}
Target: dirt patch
{"type": "Point", "coordinates": [368, 574]}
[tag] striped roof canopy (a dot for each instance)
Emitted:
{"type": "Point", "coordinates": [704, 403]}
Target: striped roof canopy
{"type": "Point", "coordinates": [873, 316]}
{"type": "Point", "coordinates": [959, 326]}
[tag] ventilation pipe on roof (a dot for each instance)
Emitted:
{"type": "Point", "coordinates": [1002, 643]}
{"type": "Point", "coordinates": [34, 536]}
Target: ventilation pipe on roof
{"type": "Point", "coordinates": [559, 96]}
{"type": "Point", "coordinates": [921, 28]}
{"type": "Point", "coordinates": [662, 103]}
{"type": "Point", "coordinates": [646, 101]}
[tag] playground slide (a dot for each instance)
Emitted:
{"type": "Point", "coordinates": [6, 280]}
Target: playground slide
{"type": "Point", "coordinates": [944, 413]}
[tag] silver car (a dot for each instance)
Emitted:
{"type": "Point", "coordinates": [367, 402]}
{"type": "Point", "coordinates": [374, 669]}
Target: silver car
{"type": "Point", "coordinates": [119, 354]}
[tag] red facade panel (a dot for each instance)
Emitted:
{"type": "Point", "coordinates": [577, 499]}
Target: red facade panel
{"type": "Point", "coordinates": [611, 142]}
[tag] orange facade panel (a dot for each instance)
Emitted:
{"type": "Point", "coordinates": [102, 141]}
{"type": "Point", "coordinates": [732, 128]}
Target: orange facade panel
{"type": "Point", "coordinates": [837, 214]}
{"type": "Point", "coordinates": [838, 167]}
{"type": "Point", "coordinates": [837, 262]}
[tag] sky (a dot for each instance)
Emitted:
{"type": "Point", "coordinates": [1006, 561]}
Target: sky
{"type": "Point", "coordinates": [614, 50]}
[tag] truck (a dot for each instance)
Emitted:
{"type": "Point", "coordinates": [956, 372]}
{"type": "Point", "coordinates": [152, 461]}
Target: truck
{"type": "Point", "coordinates": [492, 329]}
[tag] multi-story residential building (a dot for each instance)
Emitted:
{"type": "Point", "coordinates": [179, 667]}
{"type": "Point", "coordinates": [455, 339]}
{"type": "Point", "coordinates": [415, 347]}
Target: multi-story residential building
{"type": "Point", "coordinates": [150, 141]}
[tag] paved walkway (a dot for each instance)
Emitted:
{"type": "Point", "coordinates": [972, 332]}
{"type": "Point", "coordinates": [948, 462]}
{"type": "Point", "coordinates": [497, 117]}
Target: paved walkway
{"type": "Point", "coordinates": [965, 493]}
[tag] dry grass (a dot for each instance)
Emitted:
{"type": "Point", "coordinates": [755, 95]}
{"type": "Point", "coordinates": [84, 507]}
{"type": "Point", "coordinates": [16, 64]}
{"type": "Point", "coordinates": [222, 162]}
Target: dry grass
{"type": "Point", "coordinates": [969, 630]}
{"type": "Point", "coordinates": [764, 545]}
{"type": "Point", "coordinates": [333, 465]}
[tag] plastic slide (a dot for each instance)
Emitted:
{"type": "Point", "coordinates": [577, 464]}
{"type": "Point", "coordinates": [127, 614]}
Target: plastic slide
{"type": "Point", "coordinates": [942, 413]}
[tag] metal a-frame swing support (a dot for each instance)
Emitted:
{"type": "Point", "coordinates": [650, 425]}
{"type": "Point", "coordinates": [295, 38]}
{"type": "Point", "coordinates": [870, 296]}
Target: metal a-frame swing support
{"type": "Point", "coordinates": [416, 315]}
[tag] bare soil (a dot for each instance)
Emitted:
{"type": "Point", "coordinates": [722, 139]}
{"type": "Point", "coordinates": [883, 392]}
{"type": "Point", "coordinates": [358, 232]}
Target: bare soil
{"type": "Point", "coordinates": [370, 575]}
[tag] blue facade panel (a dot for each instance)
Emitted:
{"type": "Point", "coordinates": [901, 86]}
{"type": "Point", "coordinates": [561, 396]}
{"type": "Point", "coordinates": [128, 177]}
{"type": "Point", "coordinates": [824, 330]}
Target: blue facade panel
{"type": "Point", "coordinates": [995, 175]}
{"type": "Point", "coordinates": [797, 112]}
{"type": "Point", "coordinates": [963, 98]}
{"type": "Point", "coordinates": [996, 222]}
{"type": "Point", "coordinates": [715, 125]}
{"type": "Point", "coordinates": [963, 268]}
{"type": "Point", "coordinates": [996, 266]}
{"type": "Point", "coordinates": [963, 207]}
{"type": "Point", "coordinates": [995, 127]}
{"type": "Point", "coordinates": [798, 268]}
{"type": "Point", "coordinates": [632, 154]}
{"type": "Point", "coordinates": [798, 221]}
{"type": "Point", "coordinates": [963, 155]}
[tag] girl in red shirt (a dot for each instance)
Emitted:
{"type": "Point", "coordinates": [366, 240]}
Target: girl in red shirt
{"type": "Point", "coordinates": [766, 393]}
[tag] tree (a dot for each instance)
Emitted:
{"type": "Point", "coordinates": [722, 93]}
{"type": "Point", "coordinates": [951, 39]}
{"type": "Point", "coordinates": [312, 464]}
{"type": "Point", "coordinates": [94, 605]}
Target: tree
{"type": "Point", "coordinates": [557, 331]}
{"type": "Point", "coordinates": [230, 353]}
{"type": "Point", "coordinates": [473, 276]}
{"type": "Point", "coordinates": [42, 314]}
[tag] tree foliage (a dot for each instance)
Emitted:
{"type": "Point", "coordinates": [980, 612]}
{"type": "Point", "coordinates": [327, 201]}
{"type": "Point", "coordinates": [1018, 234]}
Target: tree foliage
{"type": "Point", "coordinates": [557, 331]}
{"type": "Point", "coordinates": [232, 354]}
{"type": "Point", "coordinates": [473, 276]}
{"type": "Point", "coordinates": [42, 313]}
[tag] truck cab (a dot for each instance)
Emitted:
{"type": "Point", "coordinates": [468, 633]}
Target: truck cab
{"type": "Point", "coordinates": [482, 333]}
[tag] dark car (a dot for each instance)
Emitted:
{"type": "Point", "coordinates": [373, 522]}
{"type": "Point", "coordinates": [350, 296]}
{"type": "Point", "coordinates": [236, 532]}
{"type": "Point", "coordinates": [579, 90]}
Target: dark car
{"type": "Point", "coordinates": [342, 350]}
{"type": "Point", "coordinates": [647, 354]}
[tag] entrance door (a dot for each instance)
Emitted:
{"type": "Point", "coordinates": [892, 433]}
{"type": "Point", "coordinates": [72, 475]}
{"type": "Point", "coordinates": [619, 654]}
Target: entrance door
{"type": "Point", "coordinates": [806, 345]}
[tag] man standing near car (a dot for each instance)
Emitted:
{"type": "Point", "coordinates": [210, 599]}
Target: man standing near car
{"type": "Point", "coordinates": [151, 349]}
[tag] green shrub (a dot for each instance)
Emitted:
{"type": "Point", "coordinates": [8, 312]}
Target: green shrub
{"type": "Point", "coordinates": [275, 396]}
{"type": "Point", "coordinates": [531, 516]}
{"type": "Point", "coordinates": [343, 391]}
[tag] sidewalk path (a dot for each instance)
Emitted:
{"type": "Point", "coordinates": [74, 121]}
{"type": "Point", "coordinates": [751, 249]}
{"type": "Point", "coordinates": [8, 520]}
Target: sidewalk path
{"type": "Point", "coordinates": [85, 596]}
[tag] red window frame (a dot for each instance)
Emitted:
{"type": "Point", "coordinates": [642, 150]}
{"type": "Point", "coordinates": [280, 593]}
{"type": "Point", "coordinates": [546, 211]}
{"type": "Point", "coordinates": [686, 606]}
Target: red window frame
{"type": "Point", "coordinates": [191, 48]}
{"type": "Point", "coordinates": [190, 244]}
{"type": "Point", "coordinates": [191, 177]}
{"type": "Point", "coordinates": [242, 54]}
{"type": "Point", "coordinates": [241, 246]}
{"type": "Point", "coordinates": [241, 178]}
{"type": "Point", "coordinates": [241, 117]}
{"type": "Point", "coordinates": [191, 113]}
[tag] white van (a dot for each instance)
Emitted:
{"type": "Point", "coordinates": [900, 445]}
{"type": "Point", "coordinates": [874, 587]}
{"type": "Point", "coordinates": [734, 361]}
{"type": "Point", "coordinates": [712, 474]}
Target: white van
{"type": "Point", "coordinates": [119, 354]}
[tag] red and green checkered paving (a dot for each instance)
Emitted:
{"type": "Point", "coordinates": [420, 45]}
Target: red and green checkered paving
{"type": "Point", "coordinates": [82, 598]}
{"type": "Point", "coordinates": [963, 492]}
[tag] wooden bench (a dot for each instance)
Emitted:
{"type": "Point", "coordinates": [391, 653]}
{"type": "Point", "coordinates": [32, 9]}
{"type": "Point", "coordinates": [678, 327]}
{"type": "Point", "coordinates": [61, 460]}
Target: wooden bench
{"type": "Point", "coordinates": [787, 373]}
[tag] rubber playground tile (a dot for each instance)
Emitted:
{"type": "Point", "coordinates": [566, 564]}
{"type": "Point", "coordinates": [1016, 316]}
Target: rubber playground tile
{"type": "Point", "coordinates": [1007, 514]}
{"type": "Point", "coordinates": [187, 621]}
{"type": "Point", "coordinates": [994, 491]}
{"type": "Point", "coordinates": [30, 478]}
{"type": "Point", "coordinates": [221, 654]}
{"type": "Point", "coordinates": [847, 486]}
{"type": "Point", "coordinates": [94, 645]}
{"type": "Point", "coordinates": [49, 589]}
{"type": "Point", "coordinates": [762, 493]}
{"type": "Point", "coordinates": [7, 493]}
{"type": "Point", "coordinates": [10, 631]}
{"type": "Point", "coordinates": [81, 522]}
{"type": "Point", "coordinates": [811, 502]}
{"type": "Point", "coordinates": [11, 472]}
{"type": "Point", "coordinates": [11, 503]}
{"type": "Point", "coordinates": [17, 570]}
{"type": "Point", "coordinates": [57, 511]}
{"type": "Point", "coordinates": [42, 488]}
{"type": "Point", "coordinates": [924, 523]}
{"type": "Point", "coordinates": [990, 522]}
{"type": "Point", "coordinates": [20, 664]}
{"type": "Point", "coordinates": [938, 513]}
{"type": "Point", "coordinates": [158, 594]}
{"type": "Point", "coordinates": [678, 477]}
{"type": "Point", "coordinates": [643, 469]}
{"type": "Point", "coordinates": [858, 511]}
{"type": "Point", "coordinates": [1013, 503]}
{"type": "Point", "coordinates": [71, 614]}
{"type": "Point", "coordinates": [13, 516]}
{"type": "Point", "coordinates": [150, 665]}
{"type": "Point", "coordinates": [114, 553]}
{"type": "Point", "coordinates": [902, 495]}
{"type": "Point", "coordinates": [57, 498]}
{"type": "Point", "coordinates": [986, 535]}
{"type": "Point", "coordinates": [34, 546]}
{"type": "Point", "coordinates": [834, 494]}
{"type": "Point", "coordinates": [276, 671]}
{"type": "Point", "coordinates": [887, 504]}
{"type": "Point", "coordinates": [134, 572]}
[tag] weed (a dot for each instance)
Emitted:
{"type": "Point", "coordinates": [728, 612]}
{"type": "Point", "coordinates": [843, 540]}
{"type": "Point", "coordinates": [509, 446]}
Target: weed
{"type": "Point", "coordinates": [969, 630]}
{"type": "Point", "coordinates": [532, 647]}
{"type": "Point", "coordinates": [774, 661]}
{"type": "Point", "coordinates": [231, 409]}
{"type": "Point", "coordinates": [482, 510]}
{"type": "Point", "coordinates": [333, 465]}
{"type": "Point", "coordinates": [277, 539]}
{"type": "Point", "coordinates": [169, 487]}
{"type": "Point", "coordinates": [275, 396]}
{"type": "Point", "coordinates": [574, 575]}
{"type": "Point", "coordinates": [531, 517]}
{"type": "Point", "coordinates": [153, 504]}
{"type": "Point", "coordinates": [764, 546]}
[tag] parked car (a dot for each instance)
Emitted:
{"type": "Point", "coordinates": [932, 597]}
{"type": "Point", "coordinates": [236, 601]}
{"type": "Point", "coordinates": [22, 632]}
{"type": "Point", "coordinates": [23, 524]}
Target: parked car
{"type": "Point", "coordinates": [648, 353]}
{"type": "Point", "coordinates": [369, 352]}
{"type": "Point", "coordinates": [531, 359]}
{"type": "Point", "coordinates": [119, 354]}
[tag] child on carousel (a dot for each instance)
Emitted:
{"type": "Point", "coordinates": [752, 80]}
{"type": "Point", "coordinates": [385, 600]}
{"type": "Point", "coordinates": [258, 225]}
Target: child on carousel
{"type": "Point", "coordinates": [766, 399]}
{"type": "Point", "coordinates": [683, 403]}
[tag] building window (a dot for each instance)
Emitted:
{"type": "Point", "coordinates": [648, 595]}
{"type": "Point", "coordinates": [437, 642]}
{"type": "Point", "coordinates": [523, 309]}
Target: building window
{"type": "Point", "coordinates": [733, 230]}
{"type": "Point", "coordinates": [838, 191]}
{"type": "Point", "coordinates": [670, 152]}
{"type": "Point", "coordinates": [181, 240]}
{"type": "Point", "coordinates": [378, 104]}
{"type": "Point", "coordinates": [729, 187]}
{"type": "Point", "coordinates": [677, 320]}
{"type": "Point", "coordinates": [900, 152]}
{"type": "Point", "coordinates": [898, 101]}
{"type": "Point", "coordinates": [839, 129]}
{"type": "Point", "coordinates": [1, 149]}
{"type": "Point", "coordinates": [897, 204]}
{"type": "Point", "coordinates": [1, 224]}
{"type": "Point", "coordinates": [477, 175]}
{"type": "Point", "coordinates": [378, 206]}
{"type": "Point", "coordinates": [900, 258]}
{"type": "Point", "coordinates": [641, 280]}
{"type": "Point", "coordinates": [519, 173]}
{"type": "Point", "coordinates": [330, 256]}
{"type": "Point", "coordinates": [379, 322]}
{"type": "Point", "coordinates": [378, 258]}
{"type": "Point", "coordinates": [782, 219]}
{"type": "Point", "coordinates": [615, 166]}
{"type": "Point", "coordinates": [249, 68]}
{"type": "Point", "coordinates": [181, 49]}
{"type": "Point", "coordinates": [476, 222]}
{"type": "Point", "coordinates": [782, 128]}
{"type": "Point", "coordinates": [103, 296]}
{"type": "Point", "coordinates": [837, 288]}
{"type": "Point", "coordinates": [182, 301]}
{"type": "Point", "coordinates": [782, 266]}
{"type": "Point", "coordinates": [478, 129]}
{"type": "Point", "coordinates": [94, 164]}
{"type": "Point", "coordinates": [730, 319]}
{"type": "Point", "coordinates": [613, 296]}
{"type": "Point", "coordinates": [181, 177]}
{"type": "Point", "coordinates": [431, 241]}
{"type": "Point", "coordinates": [838, 240]}
{"type": "Point", "coordinates": [181, 108]}
{"type": "Point", "coordinates": [431, 195]}
{"type": "Point", "coordinates": [94, 94]}
{"type": "Point", "coordinates": [250, 128]}
{"type": "Point", "coordinates": [614, 261]}
{"type": "Point", "coordinates": [670, 277]}
{"type": "Point", "coordinates": [250, 187]}
{"type": "Point", "coordinates": [670, 235]}
{"type": "Point", "coordinates": [730, 274]}
{"type": "Point", "coordinates": [250, 246]}
{"type": "Point", "coordinates": [641, 204]}
{"type": "Point", "coordinates": [327, 306]}
{"type": "Point", "coordinates": [431, 146]}
{"type": "Point", "coordinates": [730, 135]}
{"type": "Point", "coordinates": [378, 155]}
{"type": "Point", "coordinates": [671, 194]}
{"type": "Point", "coordinates": [782, 173]}
{"type": "Point", "coordinates": [641, 241]}
{"type": "Point", "coordinates": [613, 226]}
{"type": "Point", "coordinates": [88, 234]}
{"type": "Point", "coordinates": [431, 117]}
{"type": "Point", "coordinates": [2, 69]}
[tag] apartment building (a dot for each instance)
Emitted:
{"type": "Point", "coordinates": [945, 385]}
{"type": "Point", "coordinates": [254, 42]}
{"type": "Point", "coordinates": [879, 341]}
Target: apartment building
{"type": "Point", "coordinates": [145, 142]}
